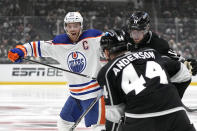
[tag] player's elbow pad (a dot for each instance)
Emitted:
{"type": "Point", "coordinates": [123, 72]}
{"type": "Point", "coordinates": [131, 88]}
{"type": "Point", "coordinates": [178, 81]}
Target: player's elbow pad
{"type": "Point", "coordinates": [182, 75]}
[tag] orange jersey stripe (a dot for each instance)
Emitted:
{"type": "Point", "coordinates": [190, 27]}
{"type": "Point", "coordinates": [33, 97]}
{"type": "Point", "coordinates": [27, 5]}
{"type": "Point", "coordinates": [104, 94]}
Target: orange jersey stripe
{"type": "Point", "coordinates": [102, 120]}
{"type": "Point", "coordinates": [91, 37]}
{"type": "Point", "coordinates": [34, 46]}
{"type": "Point", "coordinates": [88, 87]}
{"type": "Point", "coordinates": [78, 41]}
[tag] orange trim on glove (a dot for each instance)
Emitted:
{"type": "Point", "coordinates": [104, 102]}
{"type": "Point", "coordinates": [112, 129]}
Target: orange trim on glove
{"type": "Point", "coordinates": [13, 56]}
{"type": "Point", "coordinates": [21, 47]}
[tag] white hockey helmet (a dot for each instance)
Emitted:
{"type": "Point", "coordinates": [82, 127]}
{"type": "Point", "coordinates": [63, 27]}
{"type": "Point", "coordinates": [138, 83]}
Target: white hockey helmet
{"type": "Point", "coordinates": [73, 17]}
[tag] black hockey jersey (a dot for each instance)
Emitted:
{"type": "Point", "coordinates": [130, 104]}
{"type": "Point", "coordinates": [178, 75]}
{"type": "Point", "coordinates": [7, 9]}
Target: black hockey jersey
{"type": "Point", "coordinates": [141, 81]}
{"type": "Point", "coordinates": [152, 40]}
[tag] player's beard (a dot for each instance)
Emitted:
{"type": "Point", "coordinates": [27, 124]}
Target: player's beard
{"type": "Point", "coordinates": [74, 36]}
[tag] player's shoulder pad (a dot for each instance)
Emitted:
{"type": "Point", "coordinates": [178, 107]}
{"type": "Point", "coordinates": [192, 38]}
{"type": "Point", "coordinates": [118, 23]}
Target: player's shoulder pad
{"type": "Point", "coordinates": [159, 42]}
{"type": "Point", "coordinates": [61, 39]}
{"type": "Point", "coordinates": [159, 39]}
{"type": "Point", "coordinates": [147, 49]}
{"type": "Point", "coordinates": [90, 33]}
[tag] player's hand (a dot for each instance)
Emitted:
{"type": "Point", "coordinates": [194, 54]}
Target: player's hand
{"type": "Point", "coordinates": [113, 36]}
{"type": "Point", "coordinates": [16, 54]}
{"type": "Point", "coordinates": [191, 65]}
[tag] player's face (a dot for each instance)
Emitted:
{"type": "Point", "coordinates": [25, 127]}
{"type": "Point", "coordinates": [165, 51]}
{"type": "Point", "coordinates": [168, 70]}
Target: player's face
{"type": "Point", "coordinates": [73, 30]}
{"type": "Point", "coordinates": [106, 53]}
{"type": "Point", "coordinates": [137, 35]}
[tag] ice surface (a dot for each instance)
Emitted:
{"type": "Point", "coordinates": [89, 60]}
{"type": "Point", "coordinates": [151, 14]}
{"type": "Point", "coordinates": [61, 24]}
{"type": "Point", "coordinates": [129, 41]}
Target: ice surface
{"type": "Point", "coordinates": [35, 107]}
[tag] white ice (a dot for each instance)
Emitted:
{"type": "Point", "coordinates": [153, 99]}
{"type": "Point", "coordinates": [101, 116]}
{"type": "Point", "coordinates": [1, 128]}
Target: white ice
{"type": "Point", "coordinates": [35, 107]}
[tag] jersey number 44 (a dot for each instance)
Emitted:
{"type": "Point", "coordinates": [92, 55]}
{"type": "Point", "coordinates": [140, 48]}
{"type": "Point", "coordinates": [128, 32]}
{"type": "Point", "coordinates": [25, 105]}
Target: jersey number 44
{"type": "Point", "coordinates": [131, 81]}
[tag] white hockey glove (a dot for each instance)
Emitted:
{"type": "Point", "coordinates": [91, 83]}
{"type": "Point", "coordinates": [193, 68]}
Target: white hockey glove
{"type": "Point", "coordinates": [114, 113]}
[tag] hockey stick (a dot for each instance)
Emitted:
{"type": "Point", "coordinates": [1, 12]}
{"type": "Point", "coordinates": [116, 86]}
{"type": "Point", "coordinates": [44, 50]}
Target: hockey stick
{"type": "Point", "coordinates": [189, 109]}
{"type": "Point", "coordinates": [86, 111]}
{"type": "Point", "coordinates": [59, 68]}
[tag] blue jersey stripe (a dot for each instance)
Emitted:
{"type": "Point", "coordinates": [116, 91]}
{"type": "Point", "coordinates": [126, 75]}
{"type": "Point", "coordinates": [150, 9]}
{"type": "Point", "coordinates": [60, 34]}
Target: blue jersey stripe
{"type": "Point", "coordinates": [84, 84]}
{"type": "Point", "coordinates": [25, 49]}
{"type": "Point", "coordinates": [87, 92]}
{"type": "Point", "coordinates": [31, 49]}
{"type": "Point", "coordinates": [62, 39]}
{"type": "Point", "coordinates": [39, 52]}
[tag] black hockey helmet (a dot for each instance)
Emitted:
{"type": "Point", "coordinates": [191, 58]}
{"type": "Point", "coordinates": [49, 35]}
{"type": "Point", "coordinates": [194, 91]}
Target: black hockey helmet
{"type": "Point", "coordinates": [139, 20]}
{"type": "Point", "coordinates": [114, 41]}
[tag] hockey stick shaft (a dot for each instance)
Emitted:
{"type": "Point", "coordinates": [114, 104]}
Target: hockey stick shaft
{"type": "Point", "coordinates": [86, 111]}
{"type": "Point", "coordinates": [59, 68]}
{"type": "Point", "coordinates": [189, 109]}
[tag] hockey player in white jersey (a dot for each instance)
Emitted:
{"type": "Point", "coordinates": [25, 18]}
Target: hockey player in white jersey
{"type": "Point", "coordinates": [76, 51]}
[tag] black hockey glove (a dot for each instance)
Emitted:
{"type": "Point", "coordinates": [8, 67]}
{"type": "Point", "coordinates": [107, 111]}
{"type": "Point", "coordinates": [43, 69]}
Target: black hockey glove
{"type": "Point", "coordinates": [192, 66]}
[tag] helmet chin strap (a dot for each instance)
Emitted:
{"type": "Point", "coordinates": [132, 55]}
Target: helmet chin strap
{"type": "Point", "coordinates": [147, 29]}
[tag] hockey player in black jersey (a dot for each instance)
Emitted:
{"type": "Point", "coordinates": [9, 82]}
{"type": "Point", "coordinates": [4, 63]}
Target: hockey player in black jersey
{"type": "Point", "coordinates": [147, 39]}
{"type": "Point", "coordinates": [138, 35]}
{"type": "Point", "coordinates": [138, 86]}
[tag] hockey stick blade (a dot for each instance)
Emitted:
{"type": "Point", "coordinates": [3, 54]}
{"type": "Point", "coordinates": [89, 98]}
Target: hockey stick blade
{"type": "Point", "coordinates": [86, 111]}
{"type": "Point", "coordinates": [59, 68]}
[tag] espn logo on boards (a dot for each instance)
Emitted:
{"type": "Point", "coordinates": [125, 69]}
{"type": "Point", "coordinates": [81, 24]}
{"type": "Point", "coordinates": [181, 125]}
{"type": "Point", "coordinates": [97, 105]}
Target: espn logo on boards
{"type": "Point", "coordinates": [36, 72]}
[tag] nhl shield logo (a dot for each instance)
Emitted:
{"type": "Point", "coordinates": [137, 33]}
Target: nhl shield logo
{"type": "Point", "coordinates": [76, 62]}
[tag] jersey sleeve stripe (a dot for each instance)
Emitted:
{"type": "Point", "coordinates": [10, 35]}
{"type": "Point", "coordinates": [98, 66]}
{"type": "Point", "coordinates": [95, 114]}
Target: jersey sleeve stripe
{"type": "Point", "coordinates": [83, 93]}
{"type": "Point", "coordinates": [87, 87]}
{"type": "Point", "coordinates": [34, 46]}
{"type": "Point", "coordinates": [154, 114]}
{"type": "Point", "coordinates": [31, 49]}
{"type": "Point", "coordinates": [39, 51]}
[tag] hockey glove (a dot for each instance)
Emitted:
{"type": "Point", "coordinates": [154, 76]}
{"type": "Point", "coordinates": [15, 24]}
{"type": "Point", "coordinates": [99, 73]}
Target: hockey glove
{"type": "Point", "coordinates": [16, 54]}
{"type": "Point", "coordinates": [191, 65]}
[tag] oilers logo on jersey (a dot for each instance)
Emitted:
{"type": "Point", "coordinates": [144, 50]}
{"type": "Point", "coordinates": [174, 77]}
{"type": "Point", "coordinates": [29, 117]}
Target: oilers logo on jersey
{"type": "Point", "coordinates": [76, 62]}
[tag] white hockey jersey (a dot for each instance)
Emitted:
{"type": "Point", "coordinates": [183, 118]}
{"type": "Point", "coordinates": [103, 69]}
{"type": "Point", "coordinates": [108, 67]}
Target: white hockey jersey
{"type": "Point", "coordinates": [81, 57]}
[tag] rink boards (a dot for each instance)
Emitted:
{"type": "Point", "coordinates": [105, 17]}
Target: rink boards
{"type": "Point", "coordinates": [34, 74]}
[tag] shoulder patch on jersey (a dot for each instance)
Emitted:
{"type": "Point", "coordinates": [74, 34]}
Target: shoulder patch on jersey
{"type": "Point", "coordinates": [61, 39]}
